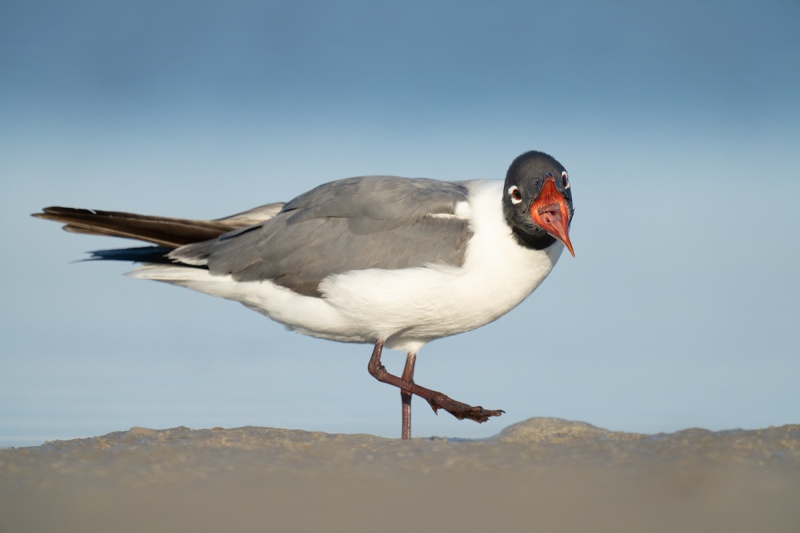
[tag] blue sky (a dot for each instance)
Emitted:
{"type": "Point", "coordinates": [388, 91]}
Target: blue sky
{"type": "Point", "coordinates": [679, 124]}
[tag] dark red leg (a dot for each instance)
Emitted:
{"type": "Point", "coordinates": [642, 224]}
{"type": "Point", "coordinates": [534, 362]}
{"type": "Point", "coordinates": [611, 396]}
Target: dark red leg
{"type": "Point", "coordinates": [408, 375]}
{"type": "Point", "coordinates": [435, 399]}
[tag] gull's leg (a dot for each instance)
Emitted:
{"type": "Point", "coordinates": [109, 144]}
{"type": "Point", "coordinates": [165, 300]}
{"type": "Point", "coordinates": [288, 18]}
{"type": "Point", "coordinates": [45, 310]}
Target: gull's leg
{"type": "Point", "coordinates": [408, 376]}
{"type": "Point", "coordinates": [435, 399]}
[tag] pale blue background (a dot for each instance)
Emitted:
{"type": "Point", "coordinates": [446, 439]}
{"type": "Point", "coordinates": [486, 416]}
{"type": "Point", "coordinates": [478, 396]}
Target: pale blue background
{"type": "Point", "coordinates": [678, 121]}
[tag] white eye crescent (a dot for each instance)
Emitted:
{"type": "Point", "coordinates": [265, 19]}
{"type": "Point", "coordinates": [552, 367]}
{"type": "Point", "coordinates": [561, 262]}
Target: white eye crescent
{"type": "Point", "coordinates": [514, 194]}
{"type": "Point", "coordinates": [564, 179]}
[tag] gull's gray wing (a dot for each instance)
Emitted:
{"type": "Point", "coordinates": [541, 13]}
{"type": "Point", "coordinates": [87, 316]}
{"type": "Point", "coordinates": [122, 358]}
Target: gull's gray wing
{"type": "Point", "coordinates": [352, 224]}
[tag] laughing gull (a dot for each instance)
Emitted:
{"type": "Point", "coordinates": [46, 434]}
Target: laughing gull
{"type": "Point", "coordinates": [393, 262]}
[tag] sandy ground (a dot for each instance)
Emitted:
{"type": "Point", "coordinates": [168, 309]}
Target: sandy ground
{"type": "Point", "coordinates": [540, 475]}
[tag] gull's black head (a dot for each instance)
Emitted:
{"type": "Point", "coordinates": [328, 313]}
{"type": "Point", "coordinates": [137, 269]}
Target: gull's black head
{"type": "Point", "coordinates": [537, 201]}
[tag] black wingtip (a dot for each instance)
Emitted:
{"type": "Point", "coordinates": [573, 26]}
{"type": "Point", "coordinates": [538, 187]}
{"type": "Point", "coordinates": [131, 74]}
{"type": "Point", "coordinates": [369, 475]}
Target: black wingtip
{"type": "Point", "coordinates": [144, 254]}
{"type": "Point", "coordinates": [151, 255]}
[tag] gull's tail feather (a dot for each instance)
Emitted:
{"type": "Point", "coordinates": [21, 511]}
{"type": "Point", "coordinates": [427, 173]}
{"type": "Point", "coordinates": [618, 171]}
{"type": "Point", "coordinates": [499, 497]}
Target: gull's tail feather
{"type": "Point", "coordinates": [162, 231]}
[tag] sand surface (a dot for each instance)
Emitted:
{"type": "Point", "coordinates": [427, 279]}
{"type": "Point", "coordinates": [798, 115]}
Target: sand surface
{"type": "Point", "coordinates": [539, 475]}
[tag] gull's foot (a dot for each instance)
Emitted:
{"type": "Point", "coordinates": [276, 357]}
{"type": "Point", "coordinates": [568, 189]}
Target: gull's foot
{"type": "Point", "coordinates": [461, 410]}
{"type": "Point", "coordinates": [436, 399]}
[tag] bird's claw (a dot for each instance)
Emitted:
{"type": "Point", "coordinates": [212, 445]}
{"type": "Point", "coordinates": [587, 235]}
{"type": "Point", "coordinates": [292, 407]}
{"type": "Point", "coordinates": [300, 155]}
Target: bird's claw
{"type": "Point", "coordinates": [462, 410]}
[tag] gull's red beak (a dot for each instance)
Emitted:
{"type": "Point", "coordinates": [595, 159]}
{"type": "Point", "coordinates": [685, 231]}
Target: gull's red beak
{"type": "Point", "coordinates": [550, 211]}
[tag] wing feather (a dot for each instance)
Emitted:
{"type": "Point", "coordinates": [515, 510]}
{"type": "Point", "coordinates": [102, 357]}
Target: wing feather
{"type": "Point", "coordinates": [353, 224]}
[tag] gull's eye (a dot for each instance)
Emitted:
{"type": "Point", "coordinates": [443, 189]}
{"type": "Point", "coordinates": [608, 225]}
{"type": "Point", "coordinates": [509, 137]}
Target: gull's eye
{"type": "Point", "coordinates": [564, 179]}
{"type": "Point", "coordinates": [514, 194]}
